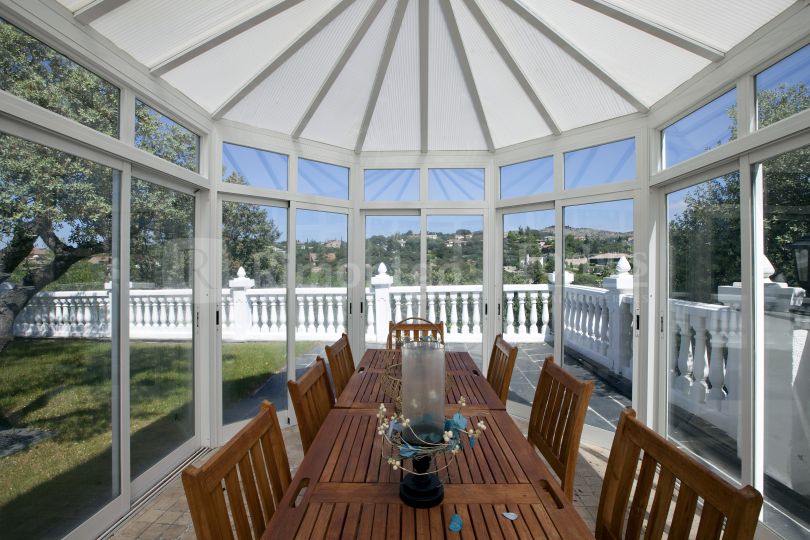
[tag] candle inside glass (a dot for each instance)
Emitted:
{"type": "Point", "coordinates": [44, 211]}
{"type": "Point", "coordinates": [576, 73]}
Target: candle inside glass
{"type": "Point", "coordinates": [423, 377]}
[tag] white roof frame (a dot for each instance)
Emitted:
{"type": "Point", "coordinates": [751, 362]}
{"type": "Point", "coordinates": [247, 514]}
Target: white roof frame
{"type": "Point", "coordinates": [231, 29]}
{"type": "Point", "coordinates": [382, 69]}
{"type": "Point", "coordinates": [654, 29]}
{"type": "Point", "coordinates": [512, 64]}
{"type": "Point", "coordinates": [469, 80]}
{"type": "Point", "coordinates": [558, 39]}
{"type": "Point", "coordinates": [97, 9]}
{"type": "Point", "coordinates": [282, 57]}
{"type": "Point", "coordinates": [371, 14]}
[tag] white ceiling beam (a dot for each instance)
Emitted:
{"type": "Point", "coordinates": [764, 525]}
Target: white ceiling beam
{"type": "Point", "coordinates": [558, 39]}
{"type": "Point", "coordinates": [424, 71]}
{"type": "Point", "coordinates": [654, 29]}
{"type": "Point", "coordinates": [348, 51]}
{"type": "Point", "coordinates": [282, 57]}
{"type": "Point", "coordinates": [97, 9]}
{"type": "Point", "coordinates": [512, 64]}
{"type": "Point", "coordinates": [382, 69]}
{"type": "Point", "coordinates": [223, 33]}
{"type": "Point", "coordinates": [464, 62]}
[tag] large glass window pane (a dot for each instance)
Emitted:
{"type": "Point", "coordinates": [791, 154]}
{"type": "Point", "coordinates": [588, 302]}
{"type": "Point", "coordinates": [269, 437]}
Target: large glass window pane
{"type": "Point", "coordinates": [786, 218]}
{"type": "Point", "coordinates": [527, 178]}
{"type": "Point", "coordinates": [158, 134]}
{"type": "Point", "coordinates": [603, 164]}
{"type": "Point", "coordinates": [253, 167]}
{"type": "Point", "coordinates": [456, 184]}
{"type": "Point", "coordinates": [528, 259]}
{"type": "Point", "coordinates": [59, 365]}
{"type": "Point", "coordinates": [712, 125]}
{"type": "Point", "coordinates": [598, 305]}
{"type": "Point", "coordinates": [392, 184]}
{"type": "Point", "coordinates": [254, 309]}
{"type": "Point", "coordinates": [703, 336]}
{"type": "Point", "coordinates": [392, 273]}
{"type": "Point", "coordinates": [455, 262]}
{"type": "Point", "coordinates": [31, 70]}
{"type": "Point", "coordinates": [784, 88]}
{"type": "Point", "coordinates": [321, 283]}
{"type": "Point", "coordinates": [317, 178]}
{"type": "Point", "coordinates": [161, 325]}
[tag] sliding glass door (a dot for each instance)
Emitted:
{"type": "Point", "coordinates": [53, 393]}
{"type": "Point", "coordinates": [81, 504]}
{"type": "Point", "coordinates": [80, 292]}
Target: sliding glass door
{"type": "Point", "coordinates": [161, 328]}
{"type": "Point", "coordinates": [321, 283]}
{"type": "Point", "coordinates": [526, 300]}
{"type": "Point", "coordinates": [598, 304]}
{"type": "Point", "coordinates": [60, 367]}
{"type": "Point", "coordinates": [253, 308]}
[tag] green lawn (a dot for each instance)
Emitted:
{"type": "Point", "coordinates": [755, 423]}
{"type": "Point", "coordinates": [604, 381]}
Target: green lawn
{"type": "Point", "coordinates": [63, 387]}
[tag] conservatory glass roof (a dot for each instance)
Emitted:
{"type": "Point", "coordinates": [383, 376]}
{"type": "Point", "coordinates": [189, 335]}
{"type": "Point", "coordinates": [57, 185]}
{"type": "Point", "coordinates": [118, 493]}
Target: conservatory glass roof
{"type": "Point", "coordinates": [380, 75]}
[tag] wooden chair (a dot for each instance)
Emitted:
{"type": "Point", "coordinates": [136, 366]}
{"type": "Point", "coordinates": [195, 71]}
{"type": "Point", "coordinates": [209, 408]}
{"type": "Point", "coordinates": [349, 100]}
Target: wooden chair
{"type": "Point", "coordinates": [723, 503]}
{"type": "Point", "coordinates": [341, 362]}
{"type": "Point", "coordinates": [312, 400]}
{"type": "Point", "coordinates": [251, 468]}
{"type": "Point", "coordinates": [557, 419]}
{"type": "Point", "coordinates": [413, 330]}
{"type": "Point", "coordinates": [501, 364]}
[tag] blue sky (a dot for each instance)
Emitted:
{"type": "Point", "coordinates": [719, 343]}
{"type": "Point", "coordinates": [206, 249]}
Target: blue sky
{"type": "Point", "coordinates": [391, 184]}
{"type": "Point", "coordinates": [539, 219]}
{"type": "Point", "coordinates": [456, 184]}
{"type": "Point", "coordinates": [701, 130]}
{"type": "Point", "coordinates": [616, 216]}
{"type": "Point", "coordinates": [258, 167]}
{"type": "Point", "coordinates": [320, 226]}
{"type": "Point", "coordinates": [389, 225]}
{"type": "Point", "coordinates": [527, 178]}
{"type": "Point", "coordinates": [603, 164]}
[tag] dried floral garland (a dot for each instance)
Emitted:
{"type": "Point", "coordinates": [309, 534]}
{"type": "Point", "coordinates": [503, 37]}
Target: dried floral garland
{"type": "Point", "coordinates": [391, 430]}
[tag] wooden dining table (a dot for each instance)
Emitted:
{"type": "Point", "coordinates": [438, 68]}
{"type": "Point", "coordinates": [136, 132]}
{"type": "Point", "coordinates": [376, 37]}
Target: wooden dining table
{"type": "Point", "coordinates": [345, 489]}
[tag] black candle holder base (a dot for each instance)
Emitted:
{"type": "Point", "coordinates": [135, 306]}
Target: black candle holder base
{"type": "Point", "coordinates": [421, 490]}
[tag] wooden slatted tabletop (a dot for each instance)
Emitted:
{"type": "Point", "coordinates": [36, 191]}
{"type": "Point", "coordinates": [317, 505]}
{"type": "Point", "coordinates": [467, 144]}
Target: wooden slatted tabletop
{"type": "Point", "coordinates": [365, 390]}
{"type": "Point", "coordinates": [344, 488]}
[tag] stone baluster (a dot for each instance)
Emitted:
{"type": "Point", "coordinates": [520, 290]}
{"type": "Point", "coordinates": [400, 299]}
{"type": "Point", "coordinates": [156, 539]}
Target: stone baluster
{"type": "Point", "coordinates": [254, 314]}
{"type": "Point", "coordinates": [161, 312]}
{"type": "Point", "coordinates": [273, 314]}
{"type": "Point", "coordinates": [397, 301]}
{"type": "Point", "coordinates": [431, 303]}
{"type": "Point", "coordinates": [544, 314]}
{"type": "Point", "coordinates": [311, 328]}
{"type": "Point", "coordinates": [340, 325]}
{"type": "Point", "coordinates": [476, 313]}
{"type": "Point", "coordinates": [370, 325]}
{"type": "Point", "coordinates": [265, 326]}
{"type": "Point", "coordinates": [465, 313]}
{"type": "Point", "coordinates": [685, 351]}
{"type": "Point", "coordinates": [443, 311]}
{"type": "Point", "coordinates": [188, 304]}
{"type": "Point", "coordinates": [136, 314]}
{"type": "Point", "coordinates": [330, 315]}
{"type": "Point", "coordinates": [604, 330]}
{"type": "Point", "coordinates": [510, 313]}
{"type": "Point", "coordinates": [700, 360]}
{"type": "Point", "coordinates": [171, 316]}
{"type": "Point", "coordinates": [521, 312]}
{"type": "Point", "coordinates": [321, 320]}
{"type": "Point", "coordinates": [408, 305]}
{"type": "Point", "coordinates": [718, 327]}
{"type": "Point", "coordinates": [147, 311]}
{"type": "Point", "coordinates": [282, 315]}
{"type": "Point", "coordinates": [454, 313]}
{"type": "Point", "coordinates": [533, 313]}
{"type": "Point", "coordinates": [302, 319]}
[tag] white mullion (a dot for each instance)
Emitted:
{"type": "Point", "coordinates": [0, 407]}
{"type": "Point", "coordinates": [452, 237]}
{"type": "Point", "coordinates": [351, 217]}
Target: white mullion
{"type": "Point", "coordinates": [204, 299]}
{"type": "Point", "coordinates": [123, 333]}
{"type": "Point", "coordinates": [126, 119]}
{"type": "Point", "coordinates": [751, 300]}
{"type": "Point", "coordinates": [292, 312]}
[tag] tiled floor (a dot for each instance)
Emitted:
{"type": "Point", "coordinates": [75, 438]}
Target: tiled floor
{"type": "Point", "coordinates": [166, 516]}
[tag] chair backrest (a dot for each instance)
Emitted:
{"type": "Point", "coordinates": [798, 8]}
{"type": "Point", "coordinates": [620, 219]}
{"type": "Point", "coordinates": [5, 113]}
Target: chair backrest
{"type": "Point", "coordinates": [250, 470]}
{"type": "Point", "coordinates": [413, 328]}
{"type": "Point", "coordinates": [557, 419]}
{"type": "Point", "coordinates": [341, 362]}
{"type": "Point", "coordinates": [312, 400]}
{"type": "Point", "coordinates": [723, 503]}
{"type": "Point", "coordinates": [501, 364]}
